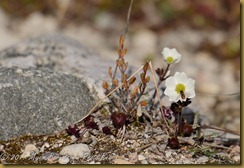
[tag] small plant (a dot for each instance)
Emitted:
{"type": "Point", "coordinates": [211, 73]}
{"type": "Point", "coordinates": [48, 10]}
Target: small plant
{"type": "Point", "coordinates": [127, 102]}
{"type": "Point", "coordinates": [130, 100]}
{"type": "Point", "coordinates": [73, 130]}
{"type": "Point", "coordinates": [89, 123]}
{"type": "Point", "coordinates": [179, 89]}
{"type": "Point", "coordinates": [127, 99]}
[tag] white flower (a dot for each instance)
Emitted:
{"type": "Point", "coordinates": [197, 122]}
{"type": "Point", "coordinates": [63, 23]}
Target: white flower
{"type": "Point", "coordinates": [179, 87]}
{"type": "Point", "coordinates": [171, 55]}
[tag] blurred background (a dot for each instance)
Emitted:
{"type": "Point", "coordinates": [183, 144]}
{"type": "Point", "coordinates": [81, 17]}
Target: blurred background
{"type": "Point", "coordinates": [206, 33]}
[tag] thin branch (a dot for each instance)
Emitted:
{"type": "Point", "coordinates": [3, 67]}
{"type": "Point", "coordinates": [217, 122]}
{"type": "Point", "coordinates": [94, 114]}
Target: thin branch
{"type": "Point", "coordinates": [128, 18]}
{"type": "Point", "coordinates": [157, 93]}
{"type": "Point", "coordinates": [148, 145]}
{"type": "Point", "coordinates": [160, 81]}
{"type": "Point", "coordinates": [219, 129]}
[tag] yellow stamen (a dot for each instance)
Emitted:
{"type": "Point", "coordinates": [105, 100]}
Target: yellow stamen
{"type": "Point", "coordinates": [180, 88]}
{"type": "Point", "coordinates": [170, 59]}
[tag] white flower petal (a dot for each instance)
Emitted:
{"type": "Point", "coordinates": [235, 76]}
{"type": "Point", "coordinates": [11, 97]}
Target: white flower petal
{"type": "Point", "coordinates": [181, 77]}
{"type": "Point", "coordinates": [176, 55]}
{"type": "Point", "coordinates": [174, 52]}
{"type": "Point", "coordinates": [168, 91]}
{"type": "Point", "coordinates": [166, 51]}
{"type": "Point", "coordinates": [176, 74]}
{"type": "Point", "coordinates": [174, 97]}
{"type": "Point", "coordinates": [189, 90]}
{"type": "Point", "coordinates": [190, 83]}
{"type": "Point", "coordinates": [170, 82]}
{"type": "Point", "coordinates": [178, 59]}
{"type": "Point", "coordinates": [190, 94]}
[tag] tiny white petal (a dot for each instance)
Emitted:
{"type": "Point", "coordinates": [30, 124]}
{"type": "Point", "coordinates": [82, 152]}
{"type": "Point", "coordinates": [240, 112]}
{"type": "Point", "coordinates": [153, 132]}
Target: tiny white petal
{"type": "Point", "coordinates": [192, 94]}
{"type": "Point", "coordinates": [178, 60]}
{"type": "Point", "coordinates": [174, 52]}
{"type": "Point", "coordinates": [170, 82]}
{"type": "Point", "coordinates": [174, 97]}
{"type": "Point", "coordinates": [166, 51]}
{"type": "Point", "coordinates": [168, 91]}
{"type": "Point", "coordinates": [181, 77]}
{"type": "Point", "coordinates": [190, 83]}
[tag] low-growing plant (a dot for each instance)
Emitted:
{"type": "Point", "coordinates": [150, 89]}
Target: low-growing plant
{"type": "Point", "coordinates": [126, 101]}
{"type": "Point", "coordinates": [130, 101]}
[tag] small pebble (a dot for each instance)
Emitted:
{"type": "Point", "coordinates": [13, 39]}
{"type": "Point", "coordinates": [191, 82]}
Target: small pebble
{"type": "Point", "coordinates": [1, 147]}
{"type": "Point", "coordinates": [60, 141]}
{"type": "Point", "coordinates": [144, 162]}
{"type": "Point", "coordinates": [202, 159]}
{"type": "Point", "coordinates": [50, 157]}
{"type": "Point", "coordinates": [94, 140]}
{"type": "Point", "coordinates": [121, 161]}
{"type": "Point", "coordinates": [29, 150]}
{"type": "Point", "coordinates": [236, 158]}
{"type": "Point", "coordinates": [55, 146]}
{"type": "Point", "coordinates": [235, 150]}
{"type": "Point", "coordinates": [141, 157]}
{"type": "Point", "coordinates": [168, 154]}
{"type": "Point", "coordinates": [86, 140]}
{"type": "Point", "coordinates": [73, 139]}
{"type": "Point", "coordinates": [133, 157]}
{"type": "Point", "coordinates": [92, 162]}
{"type": "Point", "coordinates": [153, 162]}
{"type": "Point", "coordinates": [47, 145]}
{"type": "Point", "coordinates": [146, 136]}
{"type": "Point", "coordinates": [19, 71]}
{"type": "Point", "coordinates": [63, 160]}
{"type": "Point", "coordinates": [76, 150]}
{"type": "Point", "coordinates": [162, 147]}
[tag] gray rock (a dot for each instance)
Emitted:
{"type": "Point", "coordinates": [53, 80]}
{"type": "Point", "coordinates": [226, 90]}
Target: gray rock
{"type": "Point", "coordinates": [40, 101]}
{"type": "Point", "coordinates": [57, 53]}
{"type": "Point", "coordinates": [56, 81]}
{"type": "Point", "coordinates": [62, 54]}
{"type": "Point", "coordinates": [47, 83]}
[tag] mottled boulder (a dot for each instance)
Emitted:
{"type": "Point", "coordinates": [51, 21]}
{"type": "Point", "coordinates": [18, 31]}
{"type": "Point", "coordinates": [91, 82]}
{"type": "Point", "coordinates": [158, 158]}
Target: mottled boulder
{"type": "Point", "coordinates": [40, 101]}
{"type": "Point", "coordinates": [57, 53]}
{"type": "Point", "coordinates": [48, 83]}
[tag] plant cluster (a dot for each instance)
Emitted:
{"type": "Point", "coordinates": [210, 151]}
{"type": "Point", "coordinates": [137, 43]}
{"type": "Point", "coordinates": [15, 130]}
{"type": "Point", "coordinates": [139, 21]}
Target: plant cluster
{"type": "Point", "coordinates": [126, 100]}
{"type": "Point", "coordinates": [131, 102]}
{"type": "Point", "coordinates": [89, 123]}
